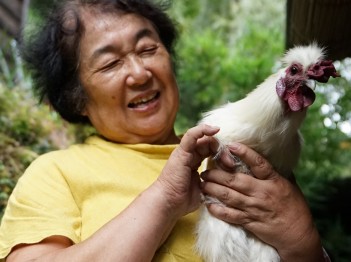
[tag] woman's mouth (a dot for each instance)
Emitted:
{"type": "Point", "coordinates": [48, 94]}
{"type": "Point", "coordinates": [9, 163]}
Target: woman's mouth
{"type": "Point", "coordinates": [144, 101]}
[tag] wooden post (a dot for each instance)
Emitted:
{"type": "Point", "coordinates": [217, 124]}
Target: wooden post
{"type": "Point", "coordinates": [328, 22]}
{"type": "Point", "coordinates": [13, 15]}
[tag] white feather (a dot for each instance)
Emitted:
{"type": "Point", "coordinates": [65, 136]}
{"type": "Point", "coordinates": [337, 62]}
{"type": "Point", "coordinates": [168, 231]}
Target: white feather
{"type": "Point", "coordinates": [259, 121]}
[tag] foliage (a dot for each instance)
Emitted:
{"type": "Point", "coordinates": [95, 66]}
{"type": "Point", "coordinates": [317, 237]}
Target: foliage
{"type": "Point", "coordinates": [26, 128]}
{"type": "Point", "coordinates": [324, 169]}
{"type": "Point", "coordinates": [219, 62]}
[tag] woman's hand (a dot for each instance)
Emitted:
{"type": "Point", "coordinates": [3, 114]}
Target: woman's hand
{"type": "Point", "coordinates": [180, 180]}
{"type": "Point", "coordinates": [266, 204]}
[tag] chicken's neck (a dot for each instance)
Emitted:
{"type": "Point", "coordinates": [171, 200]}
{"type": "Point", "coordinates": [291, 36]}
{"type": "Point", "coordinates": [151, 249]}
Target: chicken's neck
{"type": "Point", "coordinates": [274, 130]}
{"type": "Point", "coordinates": [269, 111]}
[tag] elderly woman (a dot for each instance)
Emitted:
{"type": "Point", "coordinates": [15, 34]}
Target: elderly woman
{"type": "Point", "coordinates": [131, 192]}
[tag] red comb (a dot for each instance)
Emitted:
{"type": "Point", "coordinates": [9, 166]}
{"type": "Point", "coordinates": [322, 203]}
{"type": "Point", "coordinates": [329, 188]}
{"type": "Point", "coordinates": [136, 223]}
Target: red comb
{"type": "Point", "coordinates": [322, 70]}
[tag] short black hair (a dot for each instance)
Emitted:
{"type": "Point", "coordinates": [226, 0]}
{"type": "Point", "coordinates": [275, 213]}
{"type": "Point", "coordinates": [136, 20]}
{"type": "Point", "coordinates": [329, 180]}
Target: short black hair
{"type": "Point", "coordinates": [51, 53]}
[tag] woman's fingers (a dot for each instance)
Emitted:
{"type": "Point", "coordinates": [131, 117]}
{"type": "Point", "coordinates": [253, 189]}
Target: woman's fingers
{"type": "Point", "coordinates": [179, 180]}
{"type": "Point", "coordinates": [240, 182]}
{"type": "Point", "coordinates": [257, 164]}
{"type": "Point", "coordinates": [226, 195]}
{"type": "Point", "coordinates": [191, 138]}
{"type": "Point", "coordinates": [196, 144]}
{"type": "Point", "coordinates": [207, 146]}
{"type": "Point", "coordinates": [229, 215]}
{"type": "Point", "coordinates": [236, 208]}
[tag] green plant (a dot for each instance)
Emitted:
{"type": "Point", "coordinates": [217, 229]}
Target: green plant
{"type": "Point", "coordinates": [27, 128]}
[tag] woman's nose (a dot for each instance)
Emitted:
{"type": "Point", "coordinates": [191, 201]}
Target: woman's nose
{"type": "Point", "coordinates": [137, 73]}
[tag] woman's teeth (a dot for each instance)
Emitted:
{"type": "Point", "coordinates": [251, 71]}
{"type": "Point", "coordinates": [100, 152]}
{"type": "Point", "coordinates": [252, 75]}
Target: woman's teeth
{"type": "Point", "coordinates": [143, 100]}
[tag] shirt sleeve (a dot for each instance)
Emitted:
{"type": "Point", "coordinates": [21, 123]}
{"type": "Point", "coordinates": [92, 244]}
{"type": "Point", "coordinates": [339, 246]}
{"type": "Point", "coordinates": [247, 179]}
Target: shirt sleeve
{"type": "Point", "coordinates": [40, 206]}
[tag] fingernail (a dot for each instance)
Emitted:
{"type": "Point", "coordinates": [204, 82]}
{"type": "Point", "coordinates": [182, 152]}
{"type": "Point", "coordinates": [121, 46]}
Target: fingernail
{"type": "Point", "coordinates": [234, 146]}
{"type": "Point", "coordinates": [259, 160]}
{"type": "Point", "coordinates": [213, 127]}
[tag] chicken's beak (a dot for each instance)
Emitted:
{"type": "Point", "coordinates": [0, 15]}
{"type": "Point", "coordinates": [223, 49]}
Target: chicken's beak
{"type": "Point", "coordinates": [311, 83]}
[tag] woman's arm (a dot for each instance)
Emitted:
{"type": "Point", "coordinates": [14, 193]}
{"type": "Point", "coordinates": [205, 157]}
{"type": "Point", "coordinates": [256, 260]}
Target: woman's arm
{"type": "Point", "coordinates": [268, 205]}
{"type": "Point", "coordinates": [136, 233]}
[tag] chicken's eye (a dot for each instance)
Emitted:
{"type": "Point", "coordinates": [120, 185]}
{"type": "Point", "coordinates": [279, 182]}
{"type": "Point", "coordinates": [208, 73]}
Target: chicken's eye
{"type": "Point", "coordinates": [294, 70]}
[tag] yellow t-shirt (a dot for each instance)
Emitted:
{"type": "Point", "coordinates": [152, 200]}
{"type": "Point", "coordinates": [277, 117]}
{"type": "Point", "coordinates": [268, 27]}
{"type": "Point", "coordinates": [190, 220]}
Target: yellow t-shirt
{"type": "Point", "coordinates": [76, 191]}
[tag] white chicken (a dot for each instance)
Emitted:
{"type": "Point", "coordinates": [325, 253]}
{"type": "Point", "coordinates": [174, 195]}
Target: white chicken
{"type": "Point", "coordinates": [267, 120]}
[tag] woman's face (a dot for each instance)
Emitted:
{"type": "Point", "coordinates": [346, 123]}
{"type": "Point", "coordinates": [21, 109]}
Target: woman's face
{"type": "Point", "coordinates": [128, 77]}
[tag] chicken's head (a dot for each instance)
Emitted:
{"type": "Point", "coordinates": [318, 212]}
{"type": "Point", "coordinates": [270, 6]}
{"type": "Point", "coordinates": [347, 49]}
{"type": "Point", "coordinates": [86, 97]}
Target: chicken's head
{"type": "Point", "coordinates": [303, 64]}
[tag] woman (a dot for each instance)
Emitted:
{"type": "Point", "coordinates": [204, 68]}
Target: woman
{"type": "Point", "coordinates": [131, 192]}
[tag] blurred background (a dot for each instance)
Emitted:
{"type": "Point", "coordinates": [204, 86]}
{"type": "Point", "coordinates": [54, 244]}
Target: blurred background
{"type": "Point", "coordinates": [225, 49]}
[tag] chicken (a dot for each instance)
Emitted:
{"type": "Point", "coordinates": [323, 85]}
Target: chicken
{"type": "Point", "coordinates": [267, 120]}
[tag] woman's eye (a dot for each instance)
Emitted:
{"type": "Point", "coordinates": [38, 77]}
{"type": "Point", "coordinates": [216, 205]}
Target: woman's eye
{"type": "Point", "coordinates": [111, 65]}
{"type": "Point", "coordinates": [149, 50]}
